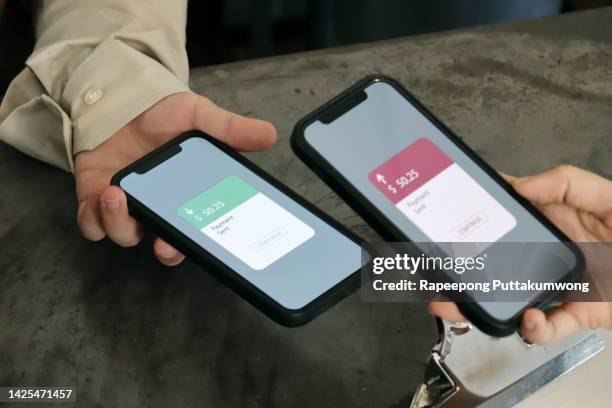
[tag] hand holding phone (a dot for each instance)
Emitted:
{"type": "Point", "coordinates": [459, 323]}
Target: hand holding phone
{"type": "Point", "coordinates": [413, 179]}
{"type": "Point", "coordinates": [566, 195]}
{"type": "Point", "coordinates": [102, 209]}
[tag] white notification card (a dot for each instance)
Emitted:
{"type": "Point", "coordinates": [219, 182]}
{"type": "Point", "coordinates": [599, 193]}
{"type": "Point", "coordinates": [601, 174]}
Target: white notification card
{"type": "Point", "coordinates": [246, 222]}
{"type": "Point", "coordinates": [439, 197]}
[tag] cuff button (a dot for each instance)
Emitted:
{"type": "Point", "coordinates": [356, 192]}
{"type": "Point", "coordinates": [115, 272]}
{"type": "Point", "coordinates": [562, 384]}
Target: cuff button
{"type": "Point", "coordinates": [93, 95]}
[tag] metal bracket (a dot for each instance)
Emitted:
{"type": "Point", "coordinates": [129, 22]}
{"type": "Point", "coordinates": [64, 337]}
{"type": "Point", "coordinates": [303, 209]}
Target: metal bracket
{"type": "Point", "coordinates": [483, 371]}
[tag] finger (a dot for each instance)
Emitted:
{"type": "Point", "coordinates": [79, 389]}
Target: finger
{"type": "Point", "coordinates": [541, 328]}
{"type": "Point", "coordinates": [238, 131]}
{"type": "Point", "coordinates": [166, 253]}
{"type": "Point", "coordinates": [571, 186]}
{"type": "Point", "coordinates": [90, 219]}
{"type": "Point", "coordinates": [119, 226]}
{"type": "Point", "coordinates": [446, 311]}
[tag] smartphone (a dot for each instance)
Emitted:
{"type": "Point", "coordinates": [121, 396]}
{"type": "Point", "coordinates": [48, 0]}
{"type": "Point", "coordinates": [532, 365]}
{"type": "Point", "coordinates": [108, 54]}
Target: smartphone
{"type": "Point", "coordinates": [273, 248]}
{"type": "Point", "coordinates": [383, 151]}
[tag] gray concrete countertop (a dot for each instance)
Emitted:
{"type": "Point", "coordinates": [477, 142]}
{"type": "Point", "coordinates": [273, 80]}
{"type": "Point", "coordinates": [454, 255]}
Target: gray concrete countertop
{"type": "Point", "coordinates": [128, 332]}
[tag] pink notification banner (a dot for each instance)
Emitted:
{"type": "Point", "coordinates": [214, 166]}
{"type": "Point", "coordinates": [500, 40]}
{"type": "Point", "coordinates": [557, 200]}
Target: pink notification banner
{"type": "Point", "coordinates": [409, 169]}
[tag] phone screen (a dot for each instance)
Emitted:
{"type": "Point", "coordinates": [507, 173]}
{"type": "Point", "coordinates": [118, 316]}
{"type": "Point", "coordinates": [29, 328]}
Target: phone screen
{"type": "Point", "coordinates": [268, 238]}
{"type": "Point", "coordinates": [422, 181]}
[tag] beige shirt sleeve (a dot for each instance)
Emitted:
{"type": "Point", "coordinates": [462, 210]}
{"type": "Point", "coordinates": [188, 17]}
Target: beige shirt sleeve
{"type": "Point", "coordinates": [97, 65]}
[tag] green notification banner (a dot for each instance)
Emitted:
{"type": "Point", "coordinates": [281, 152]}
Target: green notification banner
{"type": "Point", "coordinates": [215, 202]}
{"type": "Point", "coordinates": [245, 222]}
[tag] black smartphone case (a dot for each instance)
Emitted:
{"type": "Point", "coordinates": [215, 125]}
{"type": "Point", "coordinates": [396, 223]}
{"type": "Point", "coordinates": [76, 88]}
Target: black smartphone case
{"type": "Point", "coordinates": [240, 285]}
{"type": "Point", "coordinates": [384, 227]}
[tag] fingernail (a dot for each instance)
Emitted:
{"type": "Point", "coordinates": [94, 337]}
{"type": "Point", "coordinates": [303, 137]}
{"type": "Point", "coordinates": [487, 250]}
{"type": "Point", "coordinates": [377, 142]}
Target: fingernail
{"type": "Point", "coordinates": [110, 203]}
{"type": "Point", "coordinates": [168, 257]}
{"type": "Point", "coordinates": [167, 254]}
{"type": "Point", "coordinates": [529, 324]}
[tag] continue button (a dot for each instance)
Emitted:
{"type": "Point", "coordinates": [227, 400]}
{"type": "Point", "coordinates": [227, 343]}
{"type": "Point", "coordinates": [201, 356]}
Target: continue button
{"type": "Point", "coordinates": [269, 239]}
{"type": "Point", "coordinates": [470, 225]}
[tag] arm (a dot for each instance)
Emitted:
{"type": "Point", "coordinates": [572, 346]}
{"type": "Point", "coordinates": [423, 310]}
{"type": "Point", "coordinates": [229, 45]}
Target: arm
{"type": "Point", "coordinates": [106, 84]}
{"type": "Point", "coordinates": [96, 66]}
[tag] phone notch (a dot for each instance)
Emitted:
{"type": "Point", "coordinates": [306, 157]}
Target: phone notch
{"type": "Point", "coordinates": [158, 158]}
{"type": "Point", "coordinates": [342, 106]}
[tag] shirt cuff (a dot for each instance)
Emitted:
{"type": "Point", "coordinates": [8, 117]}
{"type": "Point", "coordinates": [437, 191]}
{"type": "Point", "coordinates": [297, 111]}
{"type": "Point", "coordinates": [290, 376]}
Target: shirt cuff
{"type": "Point", "coordinates": [115, 84]}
